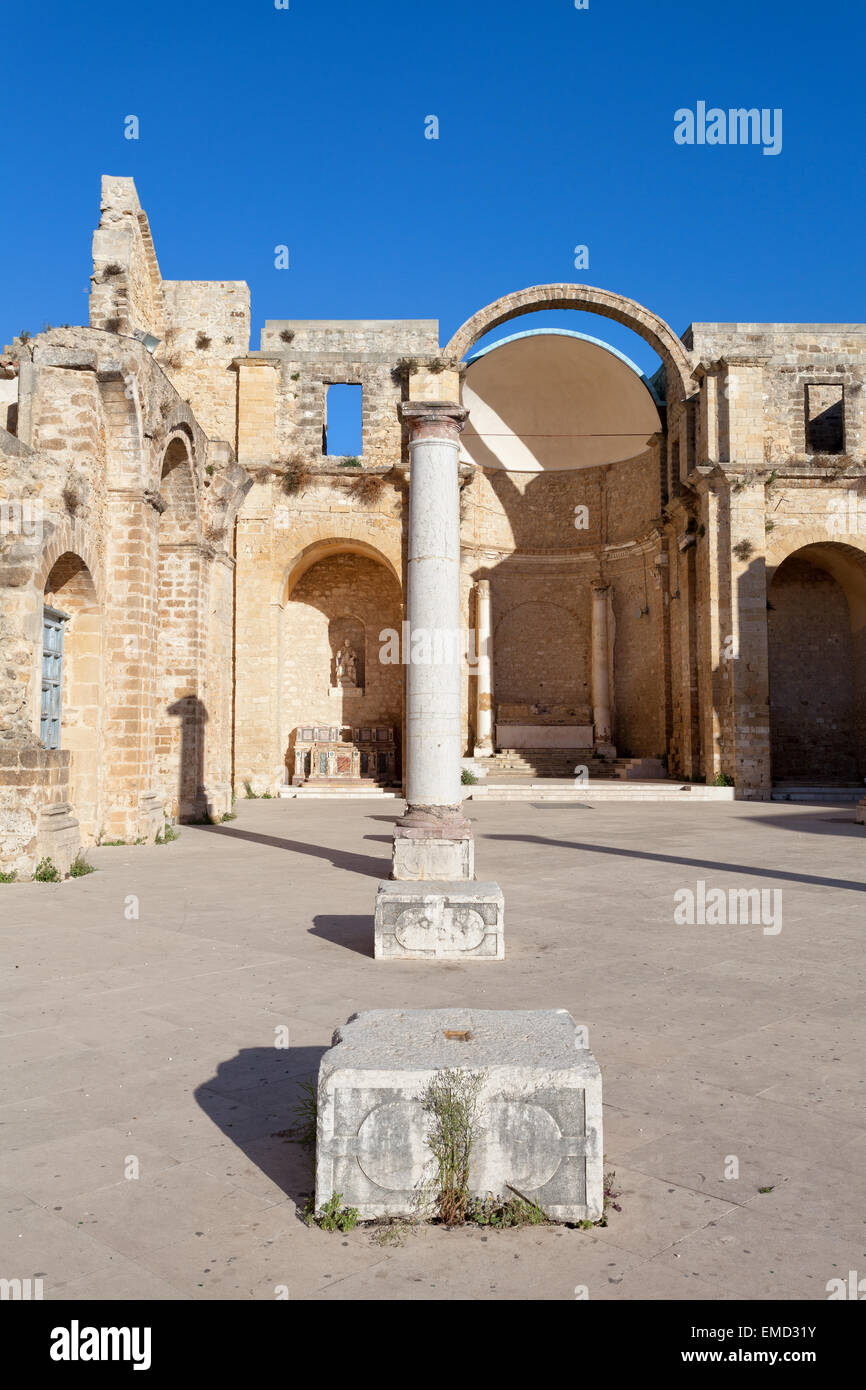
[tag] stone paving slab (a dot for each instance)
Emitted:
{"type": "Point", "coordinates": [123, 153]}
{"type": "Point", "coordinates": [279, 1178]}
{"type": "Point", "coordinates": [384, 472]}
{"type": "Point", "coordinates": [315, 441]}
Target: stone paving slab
{"type": "Point", "coordinates": [156, 1038]}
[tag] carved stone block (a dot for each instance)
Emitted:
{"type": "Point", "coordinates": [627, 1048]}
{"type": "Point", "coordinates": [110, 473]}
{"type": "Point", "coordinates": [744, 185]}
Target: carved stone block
{"type": "Point", "coordinates": [539, 1127]}
{"type": "Point", "coordinates": [439, 920]}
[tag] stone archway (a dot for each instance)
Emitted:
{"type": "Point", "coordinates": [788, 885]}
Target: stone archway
{"type": "Point", "coordinates": [70, 591]}
{"type": "Point", "coordinates": [627, 312]}
{"type": "Point", "coordinates": [348, 595]}
{"type": "Point", "coordinates": [816, 625]}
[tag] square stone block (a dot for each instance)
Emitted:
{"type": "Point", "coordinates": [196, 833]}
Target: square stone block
{"type": "Point", "coordinates": [539, 1125]}
{"type": "Point", "coordinates": [439, 920]}
{"type": "Point", "coordinates": [423, 853]}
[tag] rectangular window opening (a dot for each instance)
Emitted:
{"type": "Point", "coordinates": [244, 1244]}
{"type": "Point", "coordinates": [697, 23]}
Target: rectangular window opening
{"type": "Point", "coordinates": [342, 432]}
{"type": "Point", "coordinates": [825, 419]}
{"type": "Point", "coordinates": [52, 676]}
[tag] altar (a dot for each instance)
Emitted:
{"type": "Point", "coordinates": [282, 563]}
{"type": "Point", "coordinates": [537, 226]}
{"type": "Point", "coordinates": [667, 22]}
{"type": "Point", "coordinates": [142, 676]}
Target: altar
{"type": "Point", "coordinates": [343, 752]}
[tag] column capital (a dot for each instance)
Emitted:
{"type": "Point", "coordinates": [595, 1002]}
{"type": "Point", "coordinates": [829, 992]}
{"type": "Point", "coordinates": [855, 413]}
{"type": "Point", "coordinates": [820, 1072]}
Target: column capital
{"type": "Point", "coordinates": [483, 586]}
{"type": "Point", "coordinates": [434, 420]}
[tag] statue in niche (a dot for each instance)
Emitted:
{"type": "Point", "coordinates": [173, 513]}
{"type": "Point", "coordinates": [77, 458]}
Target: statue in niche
{"type": "Point", "coordinates": [347, 666]}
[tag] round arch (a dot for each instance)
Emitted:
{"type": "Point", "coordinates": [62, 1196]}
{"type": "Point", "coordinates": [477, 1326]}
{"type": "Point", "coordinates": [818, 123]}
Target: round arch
{"type": "Point", "coordinates": [817, 661]}
{"type": "Point", "coordinates": [323, 550]}
{"type": "Point", "coordinates": [627, 312]}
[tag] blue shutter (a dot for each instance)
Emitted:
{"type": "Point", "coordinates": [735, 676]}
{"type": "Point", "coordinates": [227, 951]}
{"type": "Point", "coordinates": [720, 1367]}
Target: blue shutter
{"type": "Point", "coordinates": [52, 675]}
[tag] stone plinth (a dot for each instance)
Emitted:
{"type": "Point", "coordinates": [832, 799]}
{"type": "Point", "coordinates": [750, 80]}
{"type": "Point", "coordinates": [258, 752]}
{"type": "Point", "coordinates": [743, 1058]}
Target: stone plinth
{"type": "Point", "coordinates": [440, 921]}
{"type": "Point", "coordinates": [433, 847]}
{"type": "Point", "coordinates": [539, 1126]}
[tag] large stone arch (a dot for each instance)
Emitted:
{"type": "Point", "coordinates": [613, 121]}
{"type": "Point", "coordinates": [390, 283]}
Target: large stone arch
{"type": "Point", "coordinates": [817, 661]}
{"type": "Point", "coordinates": [323, 548]}
{"type": "Point", "coordinates": [338, 595]}
{"type": "Point", "coordinates": [627, 312]}
{"type": "Point", "coordinates": [70, 587]}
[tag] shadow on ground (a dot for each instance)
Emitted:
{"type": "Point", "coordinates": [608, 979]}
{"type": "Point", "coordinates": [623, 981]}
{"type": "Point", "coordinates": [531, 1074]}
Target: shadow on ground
{"type": "Point", "coordinates": [353, 933]}
{"type": "Point", "coordinates": [756, 870]}
{"type": "Point", "coordinates": [253, 1099]}
{"type": "Point", "coordinates": [355, 863]}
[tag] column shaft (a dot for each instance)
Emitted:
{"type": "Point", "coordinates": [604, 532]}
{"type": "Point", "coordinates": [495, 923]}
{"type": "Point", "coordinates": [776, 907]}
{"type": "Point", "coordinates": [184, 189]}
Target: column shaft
{"type": "Point", "coordinates": [601, 695]}
{"type": "Point", "coordinates": [484, 671]}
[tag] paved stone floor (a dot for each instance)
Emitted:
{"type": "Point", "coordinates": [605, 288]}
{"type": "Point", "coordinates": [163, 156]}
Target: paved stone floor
{"type": "Point", "coordinates": [153, 1040]}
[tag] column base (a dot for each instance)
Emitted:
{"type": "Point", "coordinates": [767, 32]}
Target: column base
{"type": "Point", "coordinates": [440, 921]}
{"type": "Point", "coordinates": [433, 843]}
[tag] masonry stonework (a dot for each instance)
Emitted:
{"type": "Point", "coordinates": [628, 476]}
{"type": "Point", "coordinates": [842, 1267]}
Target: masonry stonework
{"type": "Point", "coordinates": [169, 491]}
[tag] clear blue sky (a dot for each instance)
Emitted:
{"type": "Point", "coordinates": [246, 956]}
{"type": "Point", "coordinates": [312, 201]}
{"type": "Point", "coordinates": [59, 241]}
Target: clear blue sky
{"type": "Point", "coordinates": [306, 127]}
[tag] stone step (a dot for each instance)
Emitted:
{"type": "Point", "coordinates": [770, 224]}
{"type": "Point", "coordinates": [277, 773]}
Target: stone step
{"type": "Point", "coordinates": [819, 794]}
{"type": "Point", "coordinates": [337, 791]}
{"type": "Point", "coordinates": [606, 789]}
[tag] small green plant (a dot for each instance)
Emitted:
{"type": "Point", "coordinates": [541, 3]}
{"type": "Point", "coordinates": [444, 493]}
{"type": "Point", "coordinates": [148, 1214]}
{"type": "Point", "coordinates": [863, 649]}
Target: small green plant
{"type": "Point", "coordinates": [767, 1189]}
{"type": "Point", "coordinates": [46, 872]}
{"type": "Point", "coordinates": [468, 778]}
{"type": "Point", "coordinates": [267, 796]}
{"type": "Point", "coordinates": [227, 815]}
{"type": "Point", "coordinates": [392, 1231]}
{"type": "Point", "coordinates": [452, 1101]}
{"type": "Point", "coordinates": [287, 335]}
{"type": "Point", "coordinates": [249, 793]}
{"type": "Point", "coordinates": [350, 462]}
{"type": "Point", "coordinates": [210, 469]}
{"type": "Point", "coordinates": [111, 844]}
{"type": "Point", "coordinates": [722, 779]}
{"type": "Point", "coordinates": [202, 342]}
{"type": "Point", "coordinates": [79, 867]}
{"type": "Point", "coordinates": [499, 1213]}
{"type": "Point", "coordinates": [168, 834]}
{"type": "Point", "coordinates": [296, 376]}
{"type": "Point", "coordinates": [333, 1215]}
{"type": "Point", "coordinates": [610, 1195]}
{"type": "Point", "coordinates": [10, 877]}
{"type": "Point", "coordinates": [743, 550]}
{"type": "Point", "coordinates": [306, 1113]}
{"type": "Point", "coordinates": [23, 336]}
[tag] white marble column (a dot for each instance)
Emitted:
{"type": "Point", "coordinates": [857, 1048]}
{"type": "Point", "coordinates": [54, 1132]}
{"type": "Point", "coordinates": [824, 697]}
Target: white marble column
{"type": "Point", "coordinates": [601, 691]}
{"type": "Point", "coordinates": [484, 671]}
{"type": "Point", "coordinates": [434, 839]}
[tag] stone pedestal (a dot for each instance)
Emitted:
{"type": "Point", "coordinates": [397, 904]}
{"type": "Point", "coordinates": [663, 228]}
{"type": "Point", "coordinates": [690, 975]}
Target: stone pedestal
{"type": "Point", "coordinates": [58, 835]}
{"type": "Point", "coordinates": [539, 1124]}
{"type": "Point", "coordinates": [432, 846]}
{"type": "Point", "coordinates": [440, 921]}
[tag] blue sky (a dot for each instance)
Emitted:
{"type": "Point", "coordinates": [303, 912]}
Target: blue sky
{"type": "Point", "coordinates": [305, 127]}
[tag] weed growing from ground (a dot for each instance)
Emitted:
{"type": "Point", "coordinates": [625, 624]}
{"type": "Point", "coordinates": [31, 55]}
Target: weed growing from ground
{"type": "Point", "coordinates": [46, 871]}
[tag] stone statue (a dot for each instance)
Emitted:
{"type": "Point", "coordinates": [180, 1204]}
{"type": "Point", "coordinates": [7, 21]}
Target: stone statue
{"type": "Point", "coordinates": [347, 665]}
